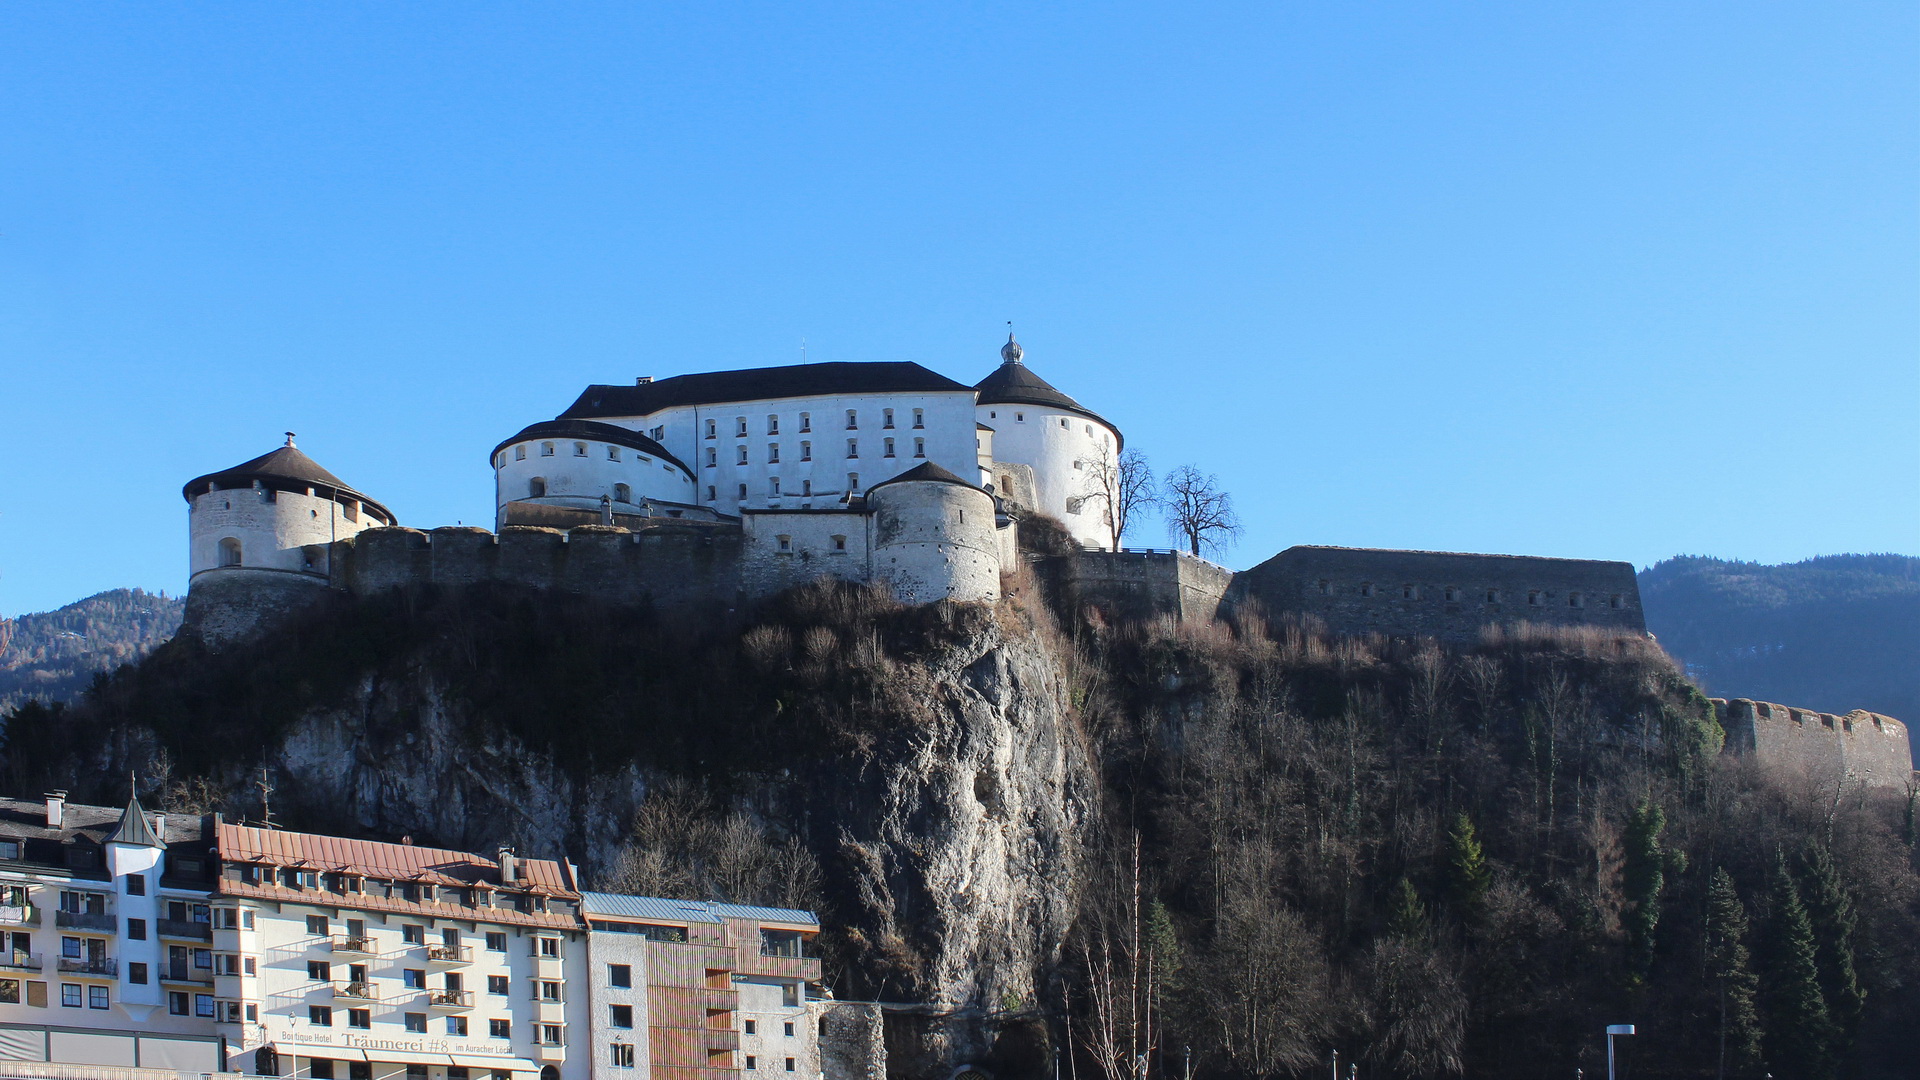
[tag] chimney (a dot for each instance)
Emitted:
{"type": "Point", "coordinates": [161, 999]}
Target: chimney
{"type": "Point", "coordinates": [507, 867]}
{"type": "Point", "coordinates": [56, 808]}
{"type": "Point", "coordinates": [642, 380]}
{"type": "Point", "coordinates": [160, 827]}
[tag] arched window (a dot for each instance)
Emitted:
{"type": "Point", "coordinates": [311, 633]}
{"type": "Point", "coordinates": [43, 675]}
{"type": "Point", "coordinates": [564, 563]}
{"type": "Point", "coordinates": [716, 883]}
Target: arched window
{"type": "Point", "coordinates": [536, 487]}
{"type": "Point", "coordinates": [229, 551]}
{"type": "Point", "coordinates": [622, 493]}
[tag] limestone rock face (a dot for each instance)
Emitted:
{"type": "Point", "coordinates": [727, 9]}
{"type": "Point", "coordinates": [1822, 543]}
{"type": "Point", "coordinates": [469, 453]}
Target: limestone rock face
{"type": "Point", "coordinates": [950, 842]}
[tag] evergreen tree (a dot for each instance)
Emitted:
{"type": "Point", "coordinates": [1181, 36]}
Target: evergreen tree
{"type": "Point", "coordinates": [1830, 910]}
{"type": "Point", "coordinates": [1407, 918]}
{"type": "Point", "coordinates": [1644, 876]}
{"type": "Point", "coordinates": [1799, 1032]}
{"type": "Point", "coordinates": [1730, 969]}
{"type": "Point", "coordinates": [1468, 874]}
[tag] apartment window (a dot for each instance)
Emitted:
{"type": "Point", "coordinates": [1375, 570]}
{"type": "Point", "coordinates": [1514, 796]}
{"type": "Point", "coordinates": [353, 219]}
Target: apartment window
{"type": "Point", "coordinates": [456, 1025]}
{"type": "Point", "coordinates": [789, 1064]}
{"type": "Point", "coordinates": [710, 429]}
{"type": "Point", "coordinates": [319, 971]}
{"type": "Point", "coordinates": [317, 925]}
{"type": "Point", "coordinates": [919, 418]}
{"type": "Point", "coordinates": [356, 973]}
{"type": "Point", "coordinates": [579, 449]}
{"type": "Point", "coordinates": [359, 1018]}
{"type": "Point", "coordinates": [919, 448]}
{"type": "Point", "coordinates": [413, 934]}
{"type": "Point", "coordinates": [789, 1029]}
{"type": "Point", "coordinates": [320, 1068]}
{"type": "Point", "coordinates": [549, 990]}
{"type": "Point", "coordinates": [520, 452]}
{"type": "Point", "coordinates": [886, 418]}
{"type": "Point", "coordinates": [136, 929]}
{"type": "Point", "coordinates": [246, 964]}
{"type": "Point", "coordinates": [773, 425]}
{"type": "Point", "coordinates": [496, 984]}
{"type": "Point", "coordinates": [416, 1022]}
{"type": "Point", "coordinates": [550, 1035]}
{"type": "Point", "coordinates": [620, 975]}
{"type": "Point", "coordinates": [498, 1028]}
{"type": "Point", "coordinates": [622, 1056]}
{"type": "Point", "coordinates": [853, 420]}
{"type": "Point", "coordinates": [546, 449]}
{"type": "Point", "coordinates": [886, 447]}
{"type": "Point", "coordinates": [179, 1004]}
{"type": "Point", "coordinates": [320, 1015]}
{"type": "Point", "coordinates": [549, 946]}
{"type": "Point", "coordinates": [136, 884]}
{"type": "Point", "coordinates": [137, 973]}
{"type": "Point", "coordinates": [413, 978]}
{"type": "Point", "coordinates": [620, 1016]}
{"type": "Point", "coordinates": [96, 997]}
{"type": "Point", "coordinates": [742, 454]}
{"type": "Point", "coordinates": [253, 1013]}
{"type": "Point", "coordinates": [806, 451]}
{"type": "Point", "coordinates": [752, 1064]}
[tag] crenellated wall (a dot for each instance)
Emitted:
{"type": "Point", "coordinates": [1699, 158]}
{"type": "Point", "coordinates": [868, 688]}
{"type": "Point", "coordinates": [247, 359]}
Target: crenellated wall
{"type": "Point", "coordinates": [1859, 745]}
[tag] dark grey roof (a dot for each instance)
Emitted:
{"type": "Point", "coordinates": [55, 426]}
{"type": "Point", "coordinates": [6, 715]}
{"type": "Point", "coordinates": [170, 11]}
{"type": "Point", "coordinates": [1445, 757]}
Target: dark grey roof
{"type": "Point", "coordinates": [134, 828]}
{"type": "Point", "coordinates": [288, 466]}
{"type": "Point", "coordinates": [928, 473]}
{"type": "Point", "coordinates": [88, 827]}
{"type": "Point", "coordinates": [798, 380]}
{"type": "Point", "coordinates": [592, 429]}
{"type": "Point", "coordinates": [1014, 383]}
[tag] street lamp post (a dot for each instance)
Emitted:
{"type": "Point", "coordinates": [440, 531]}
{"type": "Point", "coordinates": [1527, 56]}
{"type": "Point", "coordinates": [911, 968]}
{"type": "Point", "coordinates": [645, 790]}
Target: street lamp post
{"type": "Point", "coordinates": [1612, 1030]}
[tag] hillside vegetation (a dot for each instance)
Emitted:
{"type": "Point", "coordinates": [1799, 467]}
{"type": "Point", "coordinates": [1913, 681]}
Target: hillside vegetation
{"type": "Point", "coordinates": [1256, 843]}
{"type": "Point", "coordinates": [54, 655]}
{"type": "Point", "coordinates": [1836, 633]}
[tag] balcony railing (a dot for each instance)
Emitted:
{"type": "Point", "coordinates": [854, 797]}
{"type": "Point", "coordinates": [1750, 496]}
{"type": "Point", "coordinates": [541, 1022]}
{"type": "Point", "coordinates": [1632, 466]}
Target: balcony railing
{"type": "Point", "coordinates": [186, 973]}
{"type": "Point", "coordinates": [24, 961]}
{"type": "Point", "coordinates": [449, 954]}
{"type": "Point", "coordinates": [359, 944]}
{"type": "Point", "coordinates": [85, 920]}
{"type": "Point", "coordinates": [85, 965]}
{"type": "Point", "coordinates": [19, 915]}
{"type": "Point", "coordinates": [358, 991]}
{"type": "Point", "coordinates": [186, 928]}
{"type": "Point", "coordinates": [450, 999]}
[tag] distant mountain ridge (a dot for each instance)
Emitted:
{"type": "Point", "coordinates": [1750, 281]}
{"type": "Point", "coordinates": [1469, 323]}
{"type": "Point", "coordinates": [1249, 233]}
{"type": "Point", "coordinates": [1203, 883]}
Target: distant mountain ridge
{"type": "Point", "coordinates": [54, 655]}
{"type": "Point", "coordinates": [1834, 633]}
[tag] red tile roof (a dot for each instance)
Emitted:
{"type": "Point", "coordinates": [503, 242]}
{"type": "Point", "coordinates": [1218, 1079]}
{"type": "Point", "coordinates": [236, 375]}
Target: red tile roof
{"type": "Point", "coordinates": [386, 862]}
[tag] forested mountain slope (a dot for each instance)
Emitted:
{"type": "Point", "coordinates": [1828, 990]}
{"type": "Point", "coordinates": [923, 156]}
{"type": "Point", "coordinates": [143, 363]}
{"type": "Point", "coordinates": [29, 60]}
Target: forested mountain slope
{"type": "Point", "coordinates": [53, 655]}
{"type": "Point", "coordinates": [1836, 633]}
{"type": "Point", "coordinates": [1252, 841]}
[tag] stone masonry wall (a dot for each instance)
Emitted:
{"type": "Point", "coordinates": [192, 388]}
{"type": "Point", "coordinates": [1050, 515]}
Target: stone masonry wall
{"type": "Point", "coordinates": [1143, 584]}
{"type": "Point", "coordinates": [1860, 745]}
{"type": "Point", "coordinates": [1440, 594]}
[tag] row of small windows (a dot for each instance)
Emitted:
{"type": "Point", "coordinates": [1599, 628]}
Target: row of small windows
{"type": "Point", "coordinates": [614, 453]}
{"type": "Point", "coordinates": [806, 423]}
{"type": "Point", "coordinates": [784, 544]}
{"type": "Point", "coordinates": [887, 450]}
{"type": "Point", "coordinates": [1453, 594]}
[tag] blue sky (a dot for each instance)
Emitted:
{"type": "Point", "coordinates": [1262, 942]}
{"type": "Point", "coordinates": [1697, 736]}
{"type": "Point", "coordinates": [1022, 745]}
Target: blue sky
{"type": "Point", "coordinates": [1597, 280]}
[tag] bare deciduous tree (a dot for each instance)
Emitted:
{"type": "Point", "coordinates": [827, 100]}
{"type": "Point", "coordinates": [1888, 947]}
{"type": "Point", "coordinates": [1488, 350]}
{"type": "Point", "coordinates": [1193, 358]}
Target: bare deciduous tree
{"type": "Point", "coordinates": [1123, 486]}
{"type": "Point", "coordinates": [1197, 510]}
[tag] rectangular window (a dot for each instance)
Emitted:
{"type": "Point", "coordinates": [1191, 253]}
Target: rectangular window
{"type": "Point", "coordinates": [246, 964]}
{"type": "Point", "coordinates": [743, 492]}
{"type": "Point", "coordinates": [96, 997]}
{"type": "Point", "coordinates": [806, 422]}
{"type": "Point", "coordinates": [749, 1026]}
{"type": "Point", "coordinates": [320, 1068]}
{"type": "Point", "coordinates": [319, 971]}
{"type": "Point", "coordinates": [773, 425]}
{"type": "Point", "coordinates": [579, 449]}
{"type": "Point", "coordinates": [773, 453]}
{"type": "Point", "coordinates": [853, 448]}
{"type": "Point", "coordinates": [919, 448]}
{"type": "Point", "coordinates": [789, 1029]}
{"type": "Point", "coordinates": [359, 1018]}
{"type": "Point", "coordinates": [613, 453]}
{"type": "Point", "coordinates": [136, 929]}
{"type": "Point", "coordinates": [886, 447]}
{"type": "Point", "coordinates": [752, 1065]}
{"type": "Point", "coordinates": [136, 884]}
{"type": "Point", "coordinates": [853, 483]}
{"type": "Point", "coordinates": [886, 418]}
{"type": "Point", "coordinates": [620, 1016]}
{"type": "Point", "coordinates": [253, 1013]}
{"type": "Point", "coordinates": [10, 991]}
{"type": "Point", "coordinates": [742, 422]}
{"type": "Point", "coordinates": [320, 1015]}
{"type": "Point", "coordinates": [711, 455]}
{"type": "Point", "coordinates": [773, 486]}
{"type": "Point", "coordinates": [500, 1029]}
{"type": "Point", "coordinates": [622, 1056]}
{"type": "Point", "coordinates": [743, 454]}
{"type": "Point", "coordinates": [178, 1004]}
{"type": "Point", "coordinates": [72, 948]}
{"type": "Point", "coordinates": [359, 1070]}
{"type": "Point", "coordinates": [456, 1025]}
{"type": "Point", "coordinates": [806, 451]}
{"type": "Point", "coordinates": [137, 973]}
{"type": "Point", "coordinates": [413, 978]}
{"type": "Point", "coordinates": [789, 1064]}
{"type": "Point", "coordinates": [413, 934]}
{"type": "Point", "coordinates": [919, 418]}
{"type": "Point", "coordinates": [620, 975]}
{"type": "Point", "coordinates": [710, 429]}
{"type": "Point", "coordinates": [416, 1022]}
{"type": "Point", "coordinates": [496, 984]}
{"type": "Point", "coordinates": [520, 452]}
{"type": "Point", "coordinates": [853, 420]}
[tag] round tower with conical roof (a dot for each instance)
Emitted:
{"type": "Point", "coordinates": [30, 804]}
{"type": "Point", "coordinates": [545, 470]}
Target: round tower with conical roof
{"type": "Point", "coordinates": [276, 514]}
{"type": "Point", "coordinates": [934, 537]}
{"type": "Point", "coordinates": [1073, 452]}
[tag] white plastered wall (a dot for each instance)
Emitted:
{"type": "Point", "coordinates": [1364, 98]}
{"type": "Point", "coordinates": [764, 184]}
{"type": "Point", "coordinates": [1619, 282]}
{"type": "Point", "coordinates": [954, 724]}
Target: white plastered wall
{"type": "Point", "coordinates": [275, 529]}
{"type": "Point", "coordinates": [578, 479]}
{"type": "Point", "coordinates": [1063, 448]}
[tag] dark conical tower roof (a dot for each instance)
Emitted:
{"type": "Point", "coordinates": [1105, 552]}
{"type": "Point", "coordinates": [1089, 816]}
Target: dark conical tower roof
{"type": "Point", "coordinates": [290, 467]}
{"type": "Point", "coordinates": [1014, 383]}
{"type": "Point", "coordinates": [926, 473]}
{"type": "Point", "coordinates": [134, 828]}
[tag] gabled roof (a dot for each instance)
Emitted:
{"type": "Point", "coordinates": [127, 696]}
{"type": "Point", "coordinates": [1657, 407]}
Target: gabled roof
{"type": "Point", "coordinates": [927, 473]}
{"type": "Point", "coordinates": [1014, 383]}
{"type": "Point", "coordinates": [381, 861]}
{"type": "Point", "coordinates": [286, 464]}
{"type": "Point", "coordinates": [596, 431]}
{"type": "Point", "coordinates": [755, 384]}
{"type": "Point", "coordinates": [134, 828]}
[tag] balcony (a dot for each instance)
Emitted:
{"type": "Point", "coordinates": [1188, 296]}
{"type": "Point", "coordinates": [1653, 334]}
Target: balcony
{"type": "Point", "coordinates": [186, 973]}
{"type": "Point", "coordinates": [19, 915]}
{"type": "Point", "coordinates": [21, 961]}
{"type": "Point", "coordinates": [185, 928]}
{"type": "Point", "coordinates": [449, 954]}
{"type": "Point", "coordinates": [361, 945]}
{"type": "Point", "coordinates": [85, 920]}
{"type": "Point", "coordinates": [93, 965]}
{"type": "Point", "coordinates": [450, 999]}
{"type": "Point", "coordinates": [356, 991]}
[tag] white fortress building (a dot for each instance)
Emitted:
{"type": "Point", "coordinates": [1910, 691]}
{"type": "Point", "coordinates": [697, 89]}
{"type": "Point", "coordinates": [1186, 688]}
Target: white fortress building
{"type": "Point", "coordinates": [716, 486]}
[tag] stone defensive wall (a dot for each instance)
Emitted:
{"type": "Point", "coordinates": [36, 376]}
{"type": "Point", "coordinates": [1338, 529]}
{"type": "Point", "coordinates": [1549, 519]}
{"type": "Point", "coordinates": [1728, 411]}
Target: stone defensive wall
{"type": "Point", "coordinates": [1860, 745]}
{"type": "Point", "coordinates": [1141, 584]}
{"type": "Point", "coordinates": [1440, 594]}
{"type": "Point", "coordinates": [667, 565]}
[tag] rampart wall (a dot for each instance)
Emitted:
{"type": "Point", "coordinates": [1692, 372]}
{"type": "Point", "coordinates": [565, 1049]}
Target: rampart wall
{"type": "Point", "coordinates": [1440, 594]}
{"type": "Point", "coordinates": [1143, 584]}
{"type": "Point", "coordinates": [1859, 745]}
